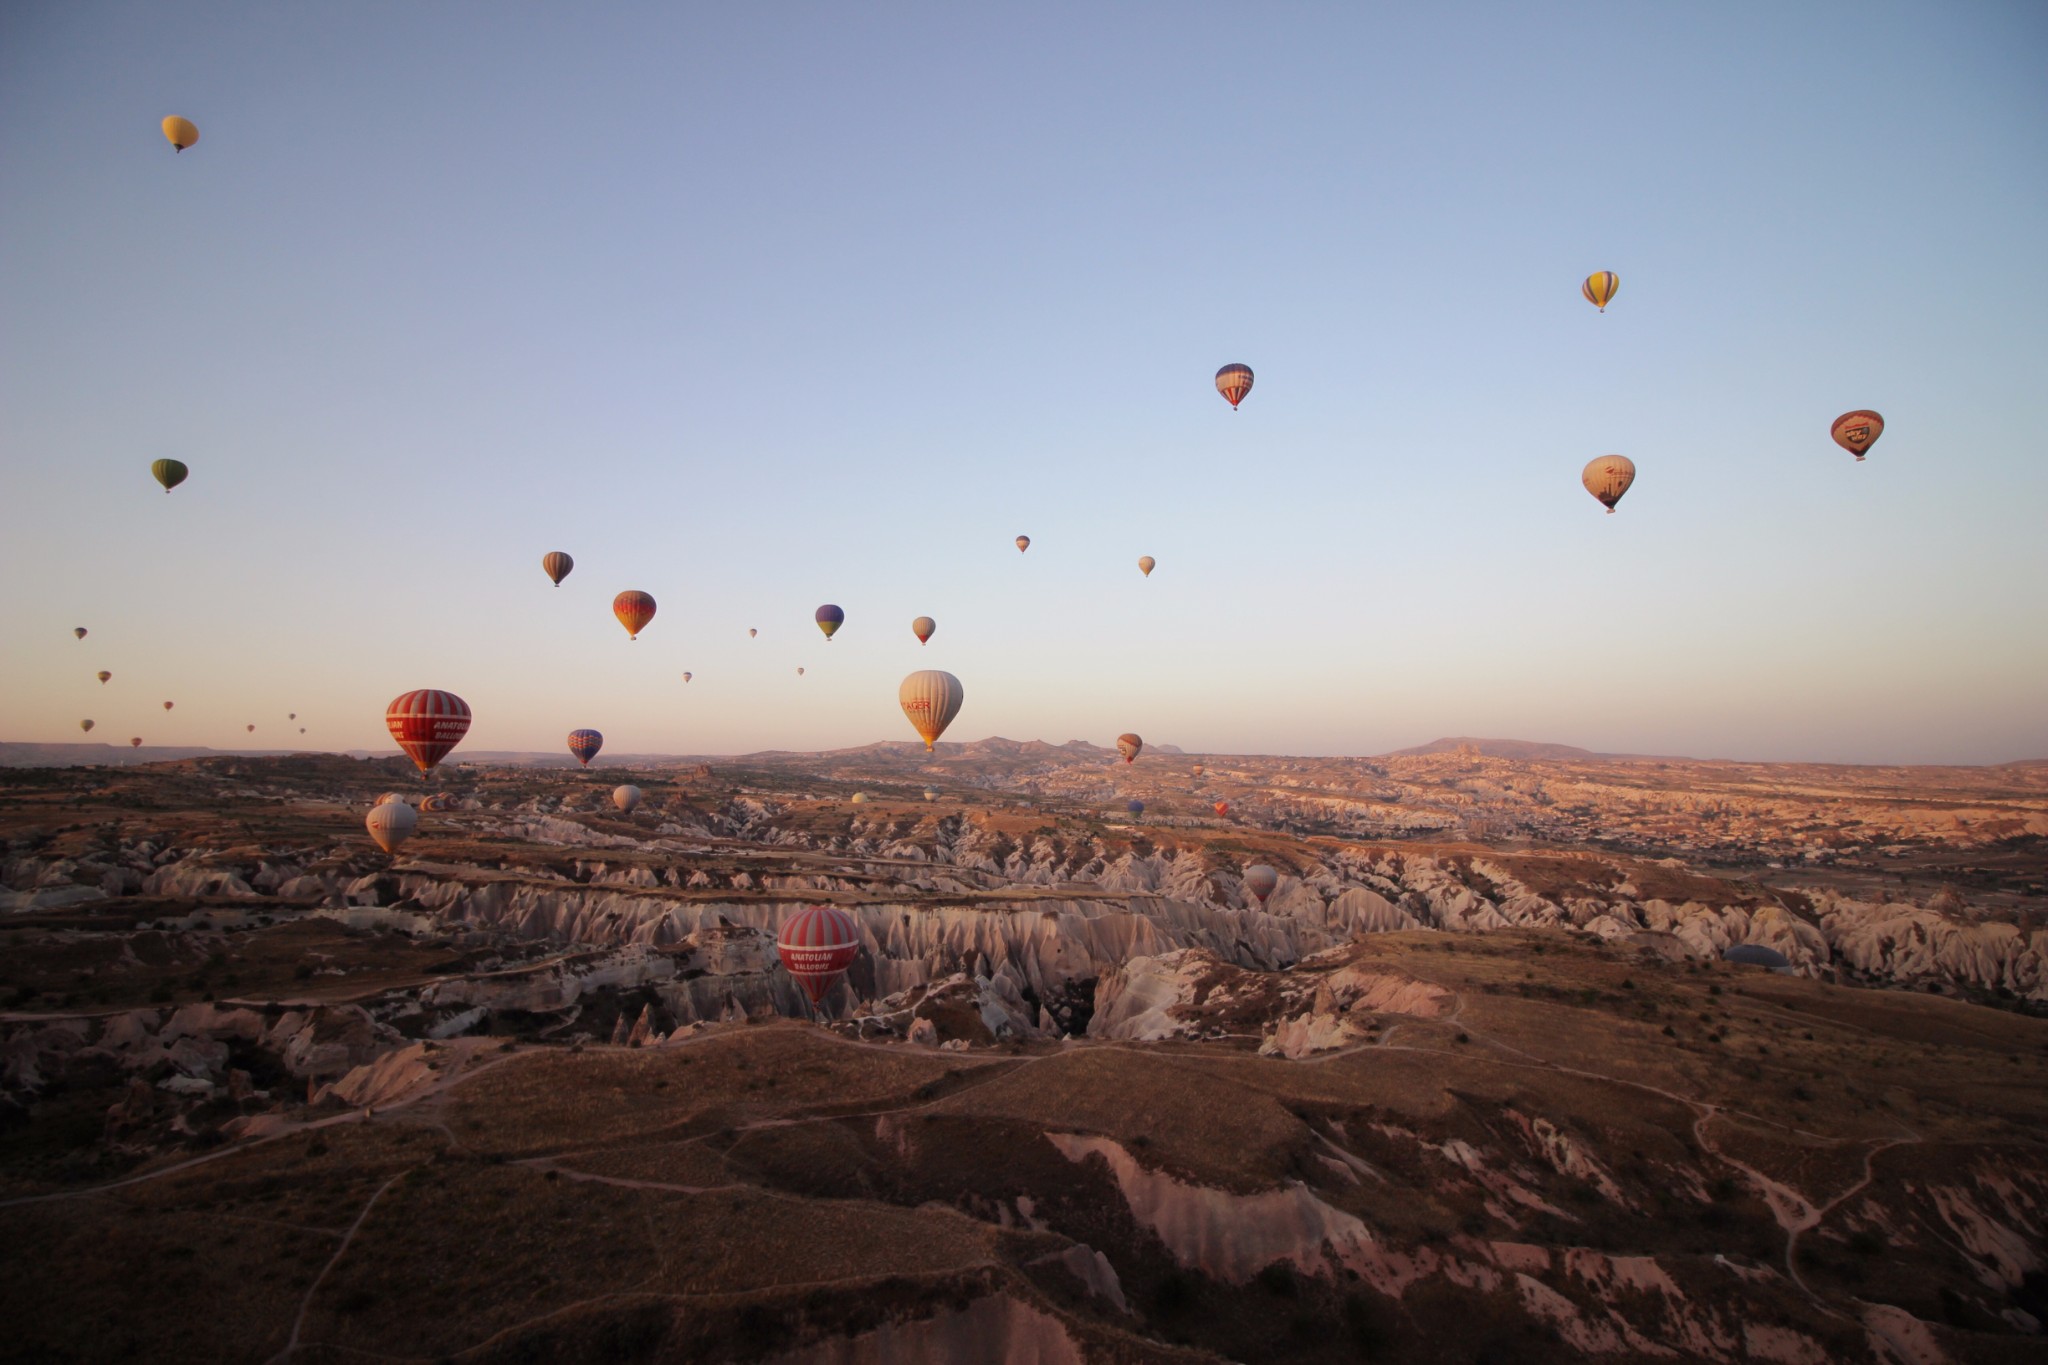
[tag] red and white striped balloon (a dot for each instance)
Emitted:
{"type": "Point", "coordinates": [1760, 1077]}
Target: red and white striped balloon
{"type": "Point", "coordinates": [427, 723]}
{"type": "Point", "coordinates": [817, 944]}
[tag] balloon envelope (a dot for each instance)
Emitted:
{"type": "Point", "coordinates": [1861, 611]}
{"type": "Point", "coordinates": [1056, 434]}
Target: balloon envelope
{"type": "Point", "coordinates": [688, 676]}
{"type": "Point", "coordinates": [78, 631]}
{"type": "Point", "coordinates": [585, 744]}
{"type": "Point", "coordinates": [1023, 544]}
{"type": "Point", "coordinates": [169, 473]}
{"type": "Point", "coordinates": [1129, 746]}
{"type": "Point", "coordinates": [923, 627]}
{"type": "Point", "coordinates": [931, 793]}
{"type": "Point", "coordinates": [135, 743]}
{"type": "Point", "coordinates": [103, 675]}
{"type": "Point", "coordinates": [829, 619]}
{"type": "Point", "coordinates": [391, 824]}
{"type": "Point", "coordinates": [1756, 955]}
{"type": "Point", "coordinates": [86, 726]}
{"type": "Point", "coordinates": [1135, 806]}
{"type": "Point", "coordinates": [1608, 477]}
{"type": "Point", "coordinates": [427, 723]}
{"type": "Point", "coordinates": [931, 698]}
{"type": "Point", "coordinates": [751, 632]}
{"type": "Point", "coordinates": [1234, 382]}
{"type": "Point", "coordinates": [252, 729]}
{"type": "Point", "coordinates": [634, 610]}
{"type": "Point", "coordinates": [387, 798]}
{"type": "Point", "coordinates": [1600, 286]}
{"type": "Point", "coordinates": [556, 565]}
{"type": "Point", "coordinates": [1223, 808]}
{"type": "Point", "coordinates": [1146, 563]}
{"type": "Point", "coordinates": [1856, 432]}
{"type": "Point", "coordinates": [167, 706]}
{"type": "Point", "coordinates": [1260, 880]}
{"type": "Point", "coordinates": [626, 797]}
{"type": "Point", "coordinates": [860, 798]}
{"type": "Point", "coordinates": [817, 944]}
{"type": "Point", "coordinates": [181, 133]}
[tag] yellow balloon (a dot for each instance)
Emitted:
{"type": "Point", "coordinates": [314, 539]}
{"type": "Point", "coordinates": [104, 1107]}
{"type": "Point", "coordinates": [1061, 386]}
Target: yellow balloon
{"type": "Point", "coordinates": [180, 132]}
{"type": "Point", "coordinates": [931, 698]}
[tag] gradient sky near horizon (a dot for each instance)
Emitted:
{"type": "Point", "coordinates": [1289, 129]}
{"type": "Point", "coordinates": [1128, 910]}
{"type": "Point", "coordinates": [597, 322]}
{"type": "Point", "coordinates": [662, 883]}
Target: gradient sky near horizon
{"type": "Point", "coordinates": [759, 307]}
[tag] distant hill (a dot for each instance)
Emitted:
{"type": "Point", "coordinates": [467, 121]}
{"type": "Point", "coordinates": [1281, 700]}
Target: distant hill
{"type": "Point", "coordinates": [1523, 749]}
{"type": "Point", "coordinates": [14, 755]}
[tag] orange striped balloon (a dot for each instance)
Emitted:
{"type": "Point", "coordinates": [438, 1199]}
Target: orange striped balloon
{"type": "Point", "coordinates": [634, 610]}
{"type": "Point", "coordinates": [556, 565]}
{"type": "Point", "coordinates": [1600, 286]}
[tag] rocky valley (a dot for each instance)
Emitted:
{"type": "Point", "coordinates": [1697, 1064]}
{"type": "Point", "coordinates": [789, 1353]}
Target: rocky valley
{"type": "Point", "coordinates": [1474, 1081]}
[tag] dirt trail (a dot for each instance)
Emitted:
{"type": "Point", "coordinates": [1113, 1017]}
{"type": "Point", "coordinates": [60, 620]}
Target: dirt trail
{"type": "Point", "coordinates": [305, 1304]}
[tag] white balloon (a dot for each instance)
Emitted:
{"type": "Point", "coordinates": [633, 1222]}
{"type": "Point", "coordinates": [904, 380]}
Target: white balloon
{"type": "Point", "coordinates": [391, 824]}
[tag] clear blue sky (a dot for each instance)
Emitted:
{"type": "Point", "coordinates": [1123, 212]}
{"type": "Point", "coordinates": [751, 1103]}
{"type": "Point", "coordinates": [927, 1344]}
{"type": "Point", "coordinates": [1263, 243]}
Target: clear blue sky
{"type": "Point", "coordinates": [758, 307]}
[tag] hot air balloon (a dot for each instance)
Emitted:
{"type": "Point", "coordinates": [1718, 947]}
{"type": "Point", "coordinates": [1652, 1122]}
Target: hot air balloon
{"type": "Point", "coordinates": [391, 824]}
{"type": "Point", "coordinates": [1129, 746]}
{"type": "Point", "coordinates": [799, 672]}
{"type": "Point", "coordinates": [1600, 286]}
{"type": "Point", "coordinates": [86, 726]}
{"type": "Point", "coordinates": [302, 729]}
{"type": "Point", "coordinates": [625, 798]}
{"type": "Point", "coordinates": [1199, 770]}
{"type": "Point", "coordinates": [556, 565]}
{"type": "Point", "coordinates": [1608, 477]}
{"type": "Point", "coordinates": [293, 716]}
{"type": "Point", "coordinates": [1756, 955]}
{"type": "Point", "coordinates": [860, 798]}
{"type": "Point", "coordinates": [585, 744]}
{"type": "Point", "coordinates": [252, 729]}
{"type": "Point", "coordinates": [1146, 564]}
{"type": "Point", "coordinates": [931, 793]}
{"type": "Point", "coordinates": [167, 706]}
{"type": "Point", "coordinates": [78, 632]}
{"type": "Point", "coordinates": [829, 619]}
{"type": "Point", "coordinates": [103, 675]}
{"type": "Point", "coordinates": [1234, 382]}
{"type": "Point", "coordinates": [634, 610]}
{"type": "Point", "coordinates": [688, 676]}
{"type": "Point", "coordinates": [751, 632]}
{"type": "Point", "coordinates": [135, 743]}
{"type": "Point", "coordinates": [169, 473]}
{"type": "Point", "coordinates": [817, 944]}
{"type": "Point", "coordinates": [386, 798]}
{"type": "Point", "coordinates": [1856, 432]}
{"type": "Point", "coordinates": [438, 801]}
{"type": "Point", "coordinates": [1259, 879]}
{"type": "Point", "coordinates": [931, 699]}
{"type": "Point", "coordinates": [427, 723]}
{"type": "Point", "coordinates": [1023, 544]}
{"type": "Point", "coordinates": [1135, 806]}
{"type": "Point", "coordinates": [923, 627]}
{"type": "Point", "coordinates": [1223, 808]}
{"type": "Point", "coordinates": [180, 133]}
